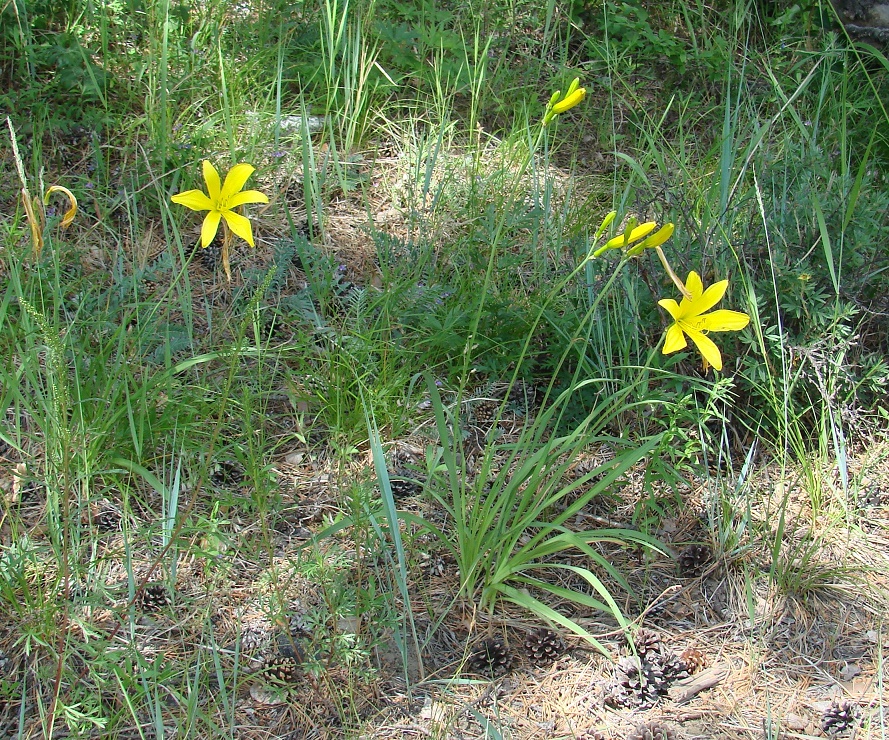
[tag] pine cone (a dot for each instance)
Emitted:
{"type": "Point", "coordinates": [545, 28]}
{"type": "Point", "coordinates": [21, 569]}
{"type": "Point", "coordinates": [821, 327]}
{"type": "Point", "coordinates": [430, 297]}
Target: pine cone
{"type": "Point", "coordinates": [107, 520]}
{"type": "Point", "coordinates": [432, 564]}
{"type": "Point", "coordinates": [675, 668]}
{"type": "Point", "coordinates": [154, 596]}
{"type": "Point", "coordinates": [226, 473]}
{"type": "Point", "coordinates": [643, 682]}
{"type": "Point", "coordinates": [28, 492]}
{"type": "Point", "coordinates": [282, 668]}
{"type": "Point", "coordinates": [485, 411]}
{"type": "Point", "coordinates": [693, 559]}
{"type": "Point", "coordinates": [523, 395]}
{"type": "Point", "coordinates": [871, 495]}
{"type": "Point", "coordinates": [653, 730]}
{"type": "Point", "coordinates": [647, 642]}
{"type": "Point", "coordinates": [592, 733]}
{"type": "Point", "coordinates": [543, 646]}
{"type": "Point", "coordinates": [211, 255]}
{"type": "Point", "coordinates": [6, 665]}
{"type": "Point", "coordinates": [403, 483]}
{"type": "Point", "coordinates": [490, 658]}
{"type": "Point", "coordinates": [840, 716]}
{"type": "Point", "coordinates": [694, 660]}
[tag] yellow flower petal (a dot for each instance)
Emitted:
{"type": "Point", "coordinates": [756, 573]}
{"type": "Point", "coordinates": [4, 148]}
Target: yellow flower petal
{"type": "Point", "coordinates": [248, 196]}
{"type": "Point", "coordinates": [694, 284]}
{"type": "Point", "coordinates": [674, 339]}
{"type": "Point", "coordinates": [639, 232]}
{"type": "Point", "coordinates": [658, 237]}
{"type": "Point", "coordinates": [706, 347]}
{"type": "Point", "coordinates": [692, 321]}
{"type": "Point", "coordinates": [710, 297]}
{"type": "Point", "coordinates": [220, 199]}
{"type": "Point", "coordinates": [211, 177]}
{"type": "Point", "coordinates": [209, 227]}
{"type": "Point", "coordinates": [197, 200]}
{"type": "Point", "coordinates": [723, 320]}
{"type": "Point", "coordinates": [240, 226]}
{"type": "Point", "coordinates": [670, 306]}
{"type": "Point", "coordinates": [235, 179]}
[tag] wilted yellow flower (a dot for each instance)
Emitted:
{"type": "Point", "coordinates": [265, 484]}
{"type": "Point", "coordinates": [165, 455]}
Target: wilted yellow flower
{"type": "Point", "coordinates": [36, 215]}
{"type": "Point", "coordinates": [68, 218]}
{"type": "Point", "coordinates": [221, 199]}
{"type": "Point", "coordinates": [691, 320]}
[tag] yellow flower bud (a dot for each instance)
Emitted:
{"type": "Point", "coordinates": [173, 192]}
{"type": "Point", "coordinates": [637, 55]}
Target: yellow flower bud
{"type": "Point", "coordinates": [570, 101]}
{"type": "Point", "coordinates": [655, 240]}
{"type": "Point", "coordinates": [557, 104]}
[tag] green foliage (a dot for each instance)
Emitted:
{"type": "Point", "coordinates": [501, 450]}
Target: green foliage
{"type": "Point", "coordinates": [507, 529]}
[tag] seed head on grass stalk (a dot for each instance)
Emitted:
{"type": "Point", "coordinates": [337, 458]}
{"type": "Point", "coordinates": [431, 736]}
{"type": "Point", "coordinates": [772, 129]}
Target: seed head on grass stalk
{"type": "Point", "coordinates": [34, 211]}
{"type": "Point", "coordinates": [221, 200]}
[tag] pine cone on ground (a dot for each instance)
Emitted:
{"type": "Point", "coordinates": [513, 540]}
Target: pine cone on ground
{"type": "Point", "coordinates": [523, 396]}
{"type": "Point", "coordinates": [491, 658]}
{"type": "Point", "coordinates": [647, 643]}
{"type": "Point", "coordinates": [107, 520]}
{"type": "Point", "coordinates": [282, 668]}
{"type": "Point", "coordinates": [432, 564]}
{"type": "Point", "coordinates": [694, 660]}
{"type": "Point", "coordinates": [543, 646]}
{"type": "Point", "coordinates": [226, 473]}
{"type": "Point", "coordinates": [592, 733]}
{"type": "Point", "coordinates": [154, 596]}
{"type": "Point", "coordinates": [674, 668]}
{"type": "Point", "coordinates": [5, 665]}
{"type": "Point", "coordinates": [403, 483]}
{"type": "Point", "coordinates": [871, 495]}
{"type": "Point", "coordinates": [693, 559]}
{"type": "Point", "coordinates": [653, 730]}
{"type": "Point", "coordinates": [28, 492]}
{"type": "Point", "coordinates": [840, 716]}
{"type": "Point", "coordinates": [485, 411]}
{"type": "Point", "coordinates": [211, 255]}
{"type": "Point", "coordinates": [642, 682]}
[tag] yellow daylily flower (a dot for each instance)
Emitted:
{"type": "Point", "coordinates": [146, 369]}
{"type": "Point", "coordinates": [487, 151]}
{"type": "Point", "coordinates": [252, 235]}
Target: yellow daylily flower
{"type": "Point", "coordinates": [691, 319]}
{"type": "Point", "coordinates": [221, 199]}
{"type": "Point", "coordinates": [558, 104]}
